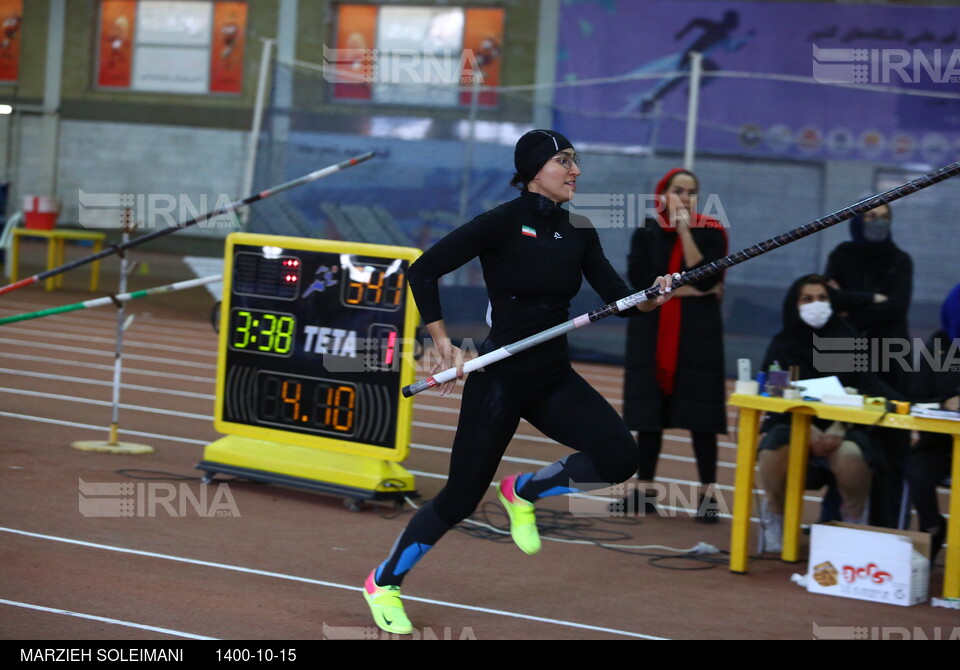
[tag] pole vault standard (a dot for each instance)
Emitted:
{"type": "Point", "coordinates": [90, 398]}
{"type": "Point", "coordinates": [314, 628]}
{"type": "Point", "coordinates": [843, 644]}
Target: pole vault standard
{"type": "Point", "coordinates": [691, 276]}
{"type": "Point", "coordinates": [249, 200]}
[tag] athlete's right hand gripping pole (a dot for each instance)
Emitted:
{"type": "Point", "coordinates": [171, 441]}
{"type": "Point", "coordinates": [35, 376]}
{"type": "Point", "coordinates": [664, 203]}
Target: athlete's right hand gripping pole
{"type": "Point", "coordinates": [693, 275]}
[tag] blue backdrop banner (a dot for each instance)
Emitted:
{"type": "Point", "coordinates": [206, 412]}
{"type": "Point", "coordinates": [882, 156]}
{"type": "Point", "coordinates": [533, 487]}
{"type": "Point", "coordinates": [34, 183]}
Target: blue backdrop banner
{"type": "Point", "coordinates": [785, 79]}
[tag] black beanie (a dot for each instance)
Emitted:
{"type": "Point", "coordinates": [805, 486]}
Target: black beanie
{"type": "Point", "coordinates": [534, 149]}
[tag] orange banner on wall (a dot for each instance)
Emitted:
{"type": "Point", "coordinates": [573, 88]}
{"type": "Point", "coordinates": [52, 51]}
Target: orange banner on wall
{"type": "Point", "coordinates": [117, 23]}
{"type": "Point", "coordinates": [483, 48]}
{"type": "Point", "coordinates": [352, 60]}
{"type": "Point", "coordinates": [11, 18]}
{"type": "Point", "coordinates": [227, 47]}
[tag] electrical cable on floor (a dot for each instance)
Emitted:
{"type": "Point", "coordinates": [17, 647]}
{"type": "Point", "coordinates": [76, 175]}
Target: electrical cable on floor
{"type": "Point", "coordinates": [397, 506]}
{"type": "Point", "coordinates": [556, 526]}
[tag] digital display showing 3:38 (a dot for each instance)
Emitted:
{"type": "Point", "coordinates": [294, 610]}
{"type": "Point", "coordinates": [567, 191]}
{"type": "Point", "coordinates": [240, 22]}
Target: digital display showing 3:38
{"type": "Point", "coordinates": [311, 344]}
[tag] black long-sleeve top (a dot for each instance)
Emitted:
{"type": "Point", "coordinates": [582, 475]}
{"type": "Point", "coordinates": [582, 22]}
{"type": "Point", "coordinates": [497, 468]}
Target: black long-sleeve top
{"type": "Point", "coordinates": [862, 272]}
{"type": "Point", "coordinates": [534, 255]}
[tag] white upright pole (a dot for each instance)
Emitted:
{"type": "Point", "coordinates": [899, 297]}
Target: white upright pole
{"type": "Point", "coordinates": [118, 351]}
{"type": "Point", "coordinates": [696, 69]}
{"type": "Point", "coordinates": [113, 444]}
{"type": "Point", "coordinates": [257, 122]}
{"type": "Point", "coordinates": [468, 149]}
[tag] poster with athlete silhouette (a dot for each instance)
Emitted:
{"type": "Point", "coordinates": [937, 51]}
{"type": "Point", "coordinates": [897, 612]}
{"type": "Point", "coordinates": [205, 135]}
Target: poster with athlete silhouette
{"type": "Point", "coordinates": [787, 79]}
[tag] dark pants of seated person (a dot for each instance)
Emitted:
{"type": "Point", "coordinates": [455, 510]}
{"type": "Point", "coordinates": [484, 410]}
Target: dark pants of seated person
{"type": "Point", "coordinates": [894, 445]}
{"type": "Point", "coordinates": [927, 466]}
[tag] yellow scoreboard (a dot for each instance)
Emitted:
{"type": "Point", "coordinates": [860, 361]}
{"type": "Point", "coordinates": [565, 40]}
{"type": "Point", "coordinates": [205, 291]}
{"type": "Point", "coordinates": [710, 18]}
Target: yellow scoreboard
{"type": "Point", "coordinates": [316, 343]}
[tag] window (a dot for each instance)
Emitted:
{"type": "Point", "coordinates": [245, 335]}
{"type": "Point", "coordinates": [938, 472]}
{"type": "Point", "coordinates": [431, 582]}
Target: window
{"type": "Point", "coordinates": [415, 55]}
{"type": "Point", "coordinates": [172, 46]}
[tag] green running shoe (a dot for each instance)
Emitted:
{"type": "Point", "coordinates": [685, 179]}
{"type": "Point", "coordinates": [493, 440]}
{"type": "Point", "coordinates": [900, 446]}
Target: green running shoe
{"type": "Point", "coordinates": [386, 606]}
{"type": "Point", "coordinates": [523, 518]}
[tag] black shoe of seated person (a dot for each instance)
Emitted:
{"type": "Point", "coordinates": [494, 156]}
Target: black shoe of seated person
{"type": "Point", "coordinates": [938, 536]}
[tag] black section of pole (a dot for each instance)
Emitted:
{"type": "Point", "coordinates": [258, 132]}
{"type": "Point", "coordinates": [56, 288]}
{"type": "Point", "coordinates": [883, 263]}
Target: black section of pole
{"type": "Point", "coordinates": [865, 205]}
{"type": "Point", "coordinates": [232, 207]}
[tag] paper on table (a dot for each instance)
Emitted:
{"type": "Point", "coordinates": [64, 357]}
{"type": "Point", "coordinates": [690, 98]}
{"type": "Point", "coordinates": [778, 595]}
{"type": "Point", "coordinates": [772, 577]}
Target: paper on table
{"type": "Point", "coordinates": [935, 414]}
{"type": "Point", "coordinates": [820, 387]}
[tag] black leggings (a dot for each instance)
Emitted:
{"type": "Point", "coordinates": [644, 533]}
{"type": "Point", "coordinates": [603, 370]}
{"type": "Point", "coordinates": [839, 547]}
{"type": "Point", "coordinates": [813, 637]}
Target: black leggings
{"type": "Point", "coordinates": [564, 407]}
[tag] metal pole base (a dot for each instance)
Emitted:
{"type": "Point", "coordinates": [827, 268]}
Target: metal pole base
{"type": "Point", "coordinates": [117, 448]}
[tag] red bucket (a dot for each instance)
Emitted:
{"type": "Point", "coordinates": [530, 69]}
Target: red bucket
{"type": "Point", "coordinates": [40, 212]}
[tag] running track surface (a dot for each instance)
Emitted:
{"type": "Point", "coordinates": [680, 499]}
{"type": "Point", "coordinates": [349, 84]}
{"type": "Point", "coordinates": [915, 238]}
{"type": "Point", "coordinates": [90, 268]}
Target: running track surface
{"type": "Point", "coordinates": [288, 564]}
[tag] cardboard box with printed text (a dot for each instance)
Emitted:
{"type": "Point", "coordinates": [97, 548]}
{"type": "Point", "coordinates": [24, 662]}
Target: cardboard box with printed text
{"type": "Point", "coordinates": [869, 563]}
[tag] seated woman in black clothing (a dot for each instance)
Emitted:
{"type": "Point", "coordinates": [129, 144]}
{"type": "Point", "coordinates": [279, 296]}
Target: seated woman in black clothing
{"type": "Point", "coordinates": [846, 451]}
{"type": "Point", "coordinates": [928, 463]}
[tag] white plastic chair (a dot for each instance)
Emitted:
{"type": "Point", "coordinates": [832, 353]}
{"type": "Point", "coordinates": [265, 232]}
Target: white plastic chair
{"type": "Point", "coordinates": [6, 241]}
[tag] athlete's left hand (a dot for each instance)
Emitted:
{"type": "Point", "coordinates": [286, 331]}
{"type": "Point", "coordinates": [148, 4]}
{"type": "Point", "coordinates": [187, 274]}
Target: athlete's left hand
{"type": "Point", "coordinates": [665, 284]}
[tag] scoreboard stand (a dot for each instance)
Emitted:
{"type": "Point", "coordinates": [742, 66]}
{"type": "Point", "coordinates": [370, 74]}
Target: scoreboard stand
{"type": "Point", "coordinates": [316, 342]}
{"type": "Point", "coordinates": [357, 479]}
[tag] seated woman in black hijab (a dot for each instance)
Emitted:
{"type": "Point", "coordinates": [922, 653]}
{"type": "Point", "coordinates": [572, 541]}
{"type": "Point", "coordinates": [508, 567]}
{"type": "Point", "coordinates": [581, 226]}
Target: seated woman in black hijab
{"type": "Point", "coordinates": [844, 451]}
{"type": "Point", "coordinates": [930, 459]}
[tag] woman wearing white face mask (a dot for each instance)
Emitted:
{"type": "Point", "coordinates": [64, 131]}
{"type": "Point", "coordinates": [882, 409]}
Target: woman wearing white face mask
{"type": "Point", "coordinates": [837, 452]}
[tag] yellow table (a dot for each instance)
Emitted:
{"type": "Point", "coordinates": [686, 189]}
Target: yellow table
{"type": "Point", "coordinates": [56, 241]}
{"type": "Point", "coordinates": [751, 408]}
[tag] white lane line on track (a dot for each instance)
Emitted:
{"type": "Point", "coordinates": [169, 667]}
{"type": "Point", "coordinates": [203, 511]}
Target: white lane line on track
{"type": "Point", "coordinates": [95, 382]}
{"type": "Point", "coordinates": [206, 417]}
{"type": "Point", "coordinates": [128, 342]}
{"type": "Point", "coordinates": [318, 582]}
{"type": "Point", "coordinates": [413, 445]}
{"type": "Point", "coordinates": [612, 396]}
{"type": "Point", "coordinates": [187, 440]}
{"type": "Point", "coordinates": [675, 438]}
{"type": "Point", "coordinates": [94, 319]}
{"type": "Point", "coordinates": [100, 429]}
{"type": "Point", "coordinates": [108, 368]}
{"type": "Point", "coordinates": [108, 354]}
{"type": "Point", "coordinates": [117, 622]}
{"type": "Point", "coordinates": [107, 403]}
{"type": "Point", "coordinates": [546, 440]}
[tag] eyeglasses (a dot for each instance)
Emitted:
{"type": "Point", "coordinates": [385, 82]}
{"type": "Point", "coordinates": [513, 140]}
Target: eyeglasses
{"type": "Point", "coordinates": [567, 161]}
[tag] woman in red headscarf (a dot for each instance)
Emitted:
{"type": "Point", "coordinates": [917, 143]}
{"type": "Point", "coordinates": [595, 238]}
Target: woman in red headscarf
{"type": "Point", "coordinates": [675, 373]}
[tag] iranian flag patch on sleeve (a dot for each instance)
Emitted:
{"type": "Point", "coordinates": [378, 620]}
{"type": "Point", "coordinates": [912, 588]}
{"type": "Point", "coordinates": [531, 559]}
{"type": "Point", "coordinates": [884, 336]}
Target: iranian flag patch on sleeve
{"type": "Point", "coordinates": [528, 231]}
